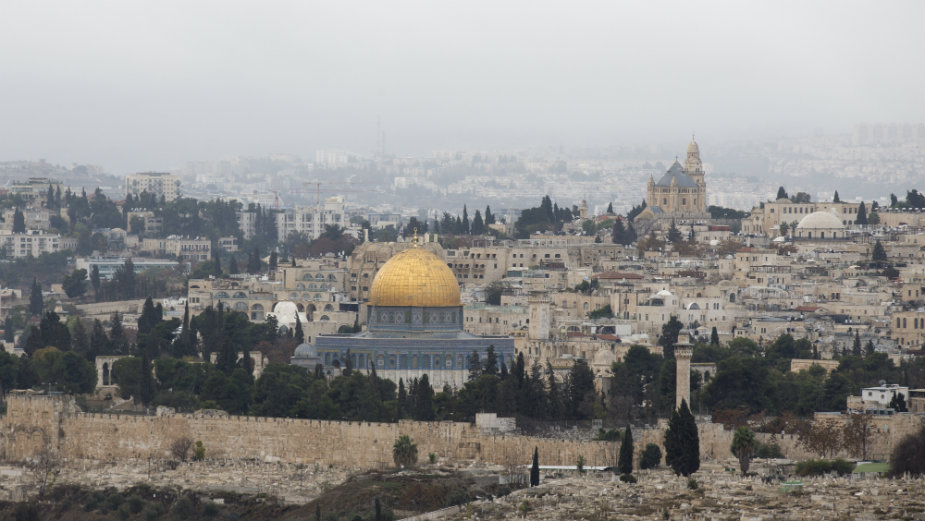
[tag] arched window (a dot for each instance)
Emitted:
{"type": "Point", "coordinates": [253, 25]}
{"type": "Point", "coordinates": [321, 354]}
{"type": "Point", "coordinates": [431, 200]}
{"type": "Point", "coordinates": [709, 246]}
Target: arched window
{"type": "Point", "coordinates": [325, 318]}
{"type": "Point", "coordinates": [220, 295]}
{"type": "Point", "coordinates": [257, 307]}
{"type": "Point", "coordinates": [328, 307]}
{"type": "Point", "coordinates": [240, 306]}
{"type": "Point", "coordinates": [240, 294]}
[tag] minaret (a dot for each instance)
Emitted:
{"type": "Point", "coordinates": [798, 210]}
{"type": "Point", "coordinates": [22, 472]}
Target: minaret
{"type": "Point", "coordinates": [682, 356]}
{"type": "Point", "coordinates": [538, 303]}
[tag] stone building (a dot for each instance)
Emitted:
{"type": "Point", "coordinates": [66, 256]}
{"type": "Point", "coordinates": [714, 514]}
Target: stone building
{"type": "Point", "coordinates": [414, 323]}
{"type": "Point", "coordinates": [159, 184]}
{"type": "Point", "coordinates": [679, 194]}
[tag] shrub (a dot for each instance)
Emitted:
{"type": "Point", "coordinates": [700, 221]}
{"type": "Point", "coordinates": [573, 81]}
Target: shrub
{"type": "Point", "coordinates": [818, 467]}
{"type": "Point", "coordinates": [768, 450]}
{"type": "Point", "coordinates": [183, 508]}
{"type": "Point", "coordinates": [628, 478]}
{"type": "Point", "coordinates": [94, 501]}
{"type": "Point", "coordinates": [692, 483]}
{"type": "Point", "coordinates": [153, 511]}
{"type": "Point", "coordinates": [135, 504]}
{"type": "Point", "coordinates": [581, 464]}
{"type": "Point", "coordinates": [199, 453]}
{"type": "Point", "coordinates": [209, 509]}
{"type": "Point", "coordinates": [608, 435]}
{"type": "Point", "coordinates": [651, 457]}
{"type": "Point", "coordinates": [432, 458]}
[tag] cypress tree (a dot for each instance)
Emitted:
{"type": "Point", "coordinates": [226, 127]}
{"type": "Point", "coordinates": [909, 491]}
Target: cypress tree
{"type": "Point", "coordinates": [402, 398]}
{"type": "Point", "coordinates": [491, 361]}
{"type": "Point", "coordinates": [856, 346]}
{"type": "Point", "coordinates": [117, 335]}
{"type": "Point", "coordinates": [682, 443]}
{"type": "Point", "coordinates": [36, 304]}
{"type": "Point", "coordinates": [535, 468]}
{"type": "Point", "coordinates": [782, 194]}
{"type": "Point", "coordinates": [836, 199]}
{"type": "Point", "coordinates": [862, 214]}
{"type": "Point", "coordinates": [625, 463]}
{"type": "Point", "coordinates": [475, 367]}
{"type": "Point", "coordinates": [299, 334]}
{"type": "Point", "coordinates": [714, 337]}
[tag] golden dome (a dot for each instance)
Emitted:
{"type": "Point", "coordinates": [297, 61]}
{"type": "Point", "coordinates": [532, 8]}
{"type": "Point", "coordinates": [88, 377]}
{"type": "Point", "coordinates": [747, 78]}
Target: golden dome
{"type": "Point", "coordinates": [415, 277]}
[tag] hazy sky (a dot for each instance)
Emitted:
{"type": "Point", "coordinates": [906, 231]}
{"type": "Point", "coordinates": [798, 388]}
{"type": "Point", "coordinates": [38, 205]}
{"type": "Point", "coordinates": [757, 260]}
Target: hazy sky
{"type": "Point", "coordinates": [148, 85]}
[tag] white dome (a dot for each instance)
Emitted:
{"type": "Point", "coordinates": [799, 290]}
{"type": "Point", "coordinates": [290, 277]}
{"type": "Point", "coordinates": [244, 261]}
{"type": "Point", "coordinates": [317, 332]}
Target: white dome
{"type": "Point", "coordinates": [285, 309]}
{"type": "Point", "coordinates": [821, 221]}
{"type": "Point", "coordinates": [663, 293]}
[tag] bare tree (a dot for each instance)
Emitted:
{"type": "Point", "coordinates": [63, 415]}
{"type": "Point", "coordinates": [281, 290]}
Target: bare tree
{"type": "Point", "coordinates": [823, 438]}
{"type": "Point", "coordinates": [856, 434]}
{"type": "Point", "coordinates": [180, 447]}
{"type": "Point", "coordinates": [44, 467]}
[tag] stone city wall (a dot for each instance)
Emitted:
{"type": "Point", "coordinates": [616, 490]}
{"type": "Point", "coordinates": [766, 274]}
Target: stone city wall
{"type": "Point", "coordinates": [37, 422]}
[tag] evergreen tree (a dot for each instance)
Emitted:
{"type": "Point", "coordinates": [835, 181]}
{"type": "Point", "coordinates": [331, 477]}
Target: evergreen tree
{"type": "Point", "coordinates": [273, 260]}
{"type": "Point", "coordinates": [402, 399]}
{"type": "Point", "coordinates": [625, 463]}
{"type": "Point", "coordinates": [670, 332]}
{"type": "Point", "coordinates": [475, 367]}
{"type": "Point", "coordinates": [36, 304]}
{"type": "Point", "coordinates": [465, 221]}
{"type": "Point", "coordinates": [869, 348]}
{"type": "Point", "coordinates": [862, 214]}
{"type": "Point", "coordinates": [535, 468]}
{"type": "Point", "coordinates": [99, 343]}
{"type": "Point", "coordinates": [478, 226]}
{"type": "Point", "coordinates": [489, 217]}
{"type": "Point", "coordinates": [491, 362]}
{"type": "Point", "coordinates": [53, 332]}
{"type": "Point", "coordinates": [782, 194]}
{"type": "Point", "coordinates": [424, 400]}
{"type": "Point", "coordinates": [149, 317]}
{"type": "Point", "coordinates": [19, 222]}
{"type": "Point", "coordinates": [836, 198]}
{"type": "Point", "coordinates": [856, 346]}
{"type": "Point", "coordinates": [878, 254]}
{"type": "Point", "coordinates": [80, 341]}
{"type": "Point", "coordinates": [682, 443]}
{"type": "Point", "coordinates": [95, 281]}
{"type": "Point", "coordinates": [610, 208]}
{"type": "Point", "coordinates": [714, 337]}
{"type": "Point", "coordinates": [299, 334]}
{"type": "Point", "coordinates": [898, 402]}
{"type": "Point", "coordinates": [253, 262]}
{"type": "Point", "coordinates": [8, 329]}
{"type": "Point", "coordinates": [117, 340]}
{"type": "Point", "coordinates": [674, 235]}
{"type": "Point", "coordinates": [233, 265]}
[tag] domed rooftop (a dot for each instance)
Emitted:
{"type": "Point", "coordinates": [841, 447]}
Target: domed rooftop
{"type": "Point", "coordinates": [693, 148]}
{"type": "Point", "coordinates": [677, 174]}
{"type": "Point", "coordinates": [415, 277]}
{"type": "Point", "coordinates": [285, 308]}
{"type": "Point", "coordinates": [820, 220]}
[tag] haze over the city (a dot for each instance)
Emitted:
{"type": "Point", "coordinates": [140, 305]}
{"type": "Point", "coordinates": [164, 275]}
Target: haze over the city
{"type": "Point", "coordinates": [139, 86]}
